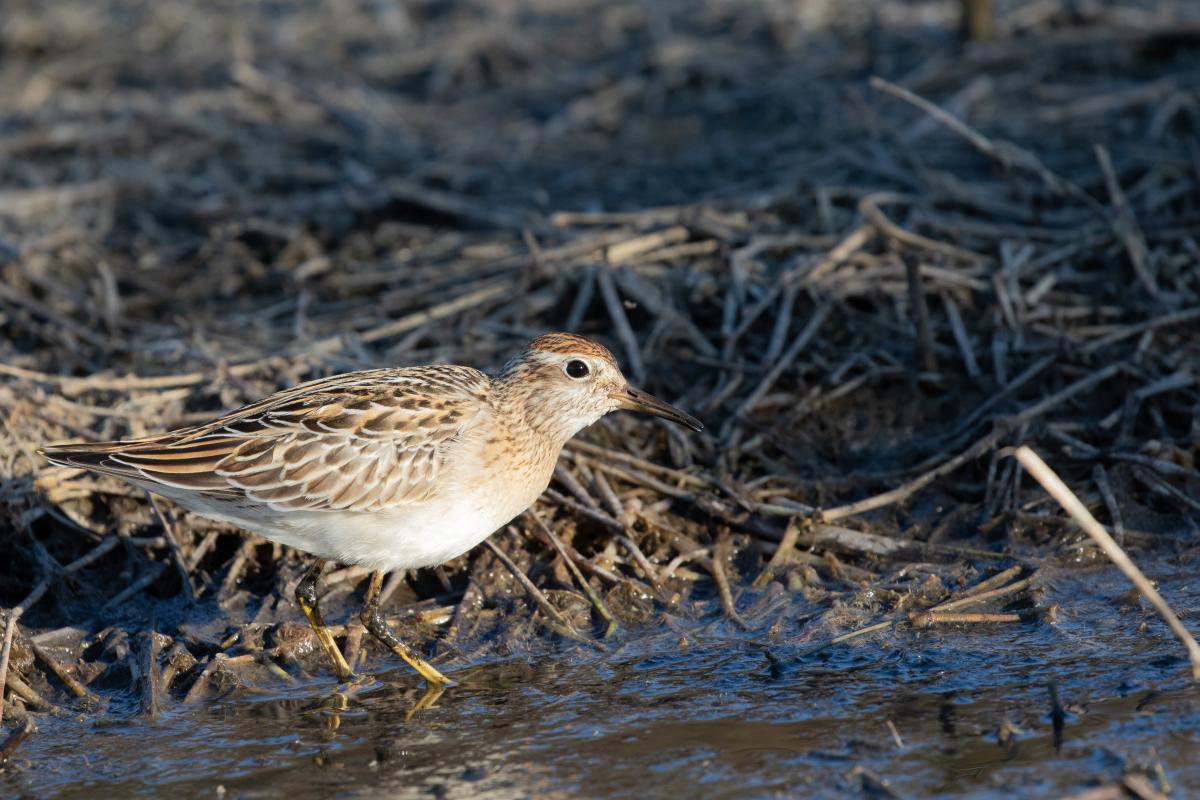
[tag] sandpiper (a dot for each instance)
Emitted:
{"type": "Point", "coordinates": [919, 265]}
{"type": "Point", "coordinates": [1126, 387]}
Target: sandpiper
{"type": "Point", "coordinates": [389, 468]}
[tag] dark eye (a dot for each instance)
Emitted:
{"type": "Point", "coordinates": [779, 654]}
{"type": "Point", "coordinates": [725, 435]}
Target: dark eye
{"type": "Point", "coordinates": [577, 368]}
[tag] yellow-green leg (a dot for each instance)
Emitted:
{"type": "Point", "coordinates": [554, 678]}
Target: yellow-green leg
{"type": "Point", "coordinates": [306, 598]}
{"type": "Point", "coordinates": [374, 622]}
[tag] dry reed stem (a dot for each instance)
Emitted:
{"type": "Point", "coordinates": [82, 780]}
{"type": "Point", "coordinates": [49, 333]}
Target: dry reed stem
{"type": "Point", "coordinates": [557, 621]}
{"type": "Point", "coordinates": [950, 617]}
{"type": "Point", "coordinates": [10, 630]}
{"type": "Point", "coordinates": [783, 553]}
{"type": "Point", "coordinates": [979, 594]}
{"type": "Point", "coordinates": [1066, 498]}
{"type": "Point", "coordinates": [597, 601]}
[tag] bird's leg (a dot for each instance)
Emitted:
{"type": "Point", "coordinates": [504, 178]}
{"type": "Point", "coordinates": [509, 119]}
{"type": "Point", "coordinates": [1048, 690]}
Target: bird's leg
{"type": "Point", "coordinates": [306, 598]}
{"type": "Point", "coordinates": [374, 622]}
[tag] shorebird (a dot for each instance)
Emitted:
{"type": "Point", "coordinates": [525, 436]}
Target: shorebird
{"type": "Point", "coordinates": [390, 469]}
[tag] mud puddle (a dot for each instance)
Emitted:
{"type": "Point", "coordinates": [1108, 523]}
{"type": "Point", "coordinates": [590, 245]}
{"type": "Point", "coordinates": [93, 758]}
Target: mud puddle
{"type": "Point", "coordinates": [698, 709]}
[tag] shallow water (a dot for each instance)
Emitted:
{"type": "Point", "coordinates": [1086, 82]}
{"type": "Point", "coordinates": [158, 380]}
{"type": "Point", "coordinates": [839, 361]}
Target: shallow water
{"type": "Point", "coordinates": [711, 719]}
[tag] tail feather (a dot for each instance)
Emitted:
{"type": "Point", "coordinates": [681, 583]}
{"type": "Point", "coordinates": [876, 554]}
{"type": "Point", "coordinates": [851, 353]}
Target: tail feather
{"type": "Point", "coordinates": [147, 462]}
{"type": "Point", "coordinates": [96, 457]}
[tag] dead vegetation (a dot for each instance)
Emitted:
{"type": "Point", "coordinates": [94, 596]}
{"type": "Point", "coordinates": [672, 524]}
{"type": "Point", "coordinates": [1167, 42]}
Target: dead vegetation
{"type": "Point", "coordinates": [866, 286]}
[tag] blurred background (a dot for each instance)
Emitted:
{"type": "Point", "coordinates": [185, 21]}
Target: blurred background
{"type": "Point", "coordinates": [871, 243]}
{"type": "Point", "coordinates": [206, 169]}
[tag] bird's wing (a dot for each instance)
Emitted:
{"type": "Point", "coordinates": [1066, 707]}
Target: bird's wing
{"type": "Point", "coordinates": [357, 442]}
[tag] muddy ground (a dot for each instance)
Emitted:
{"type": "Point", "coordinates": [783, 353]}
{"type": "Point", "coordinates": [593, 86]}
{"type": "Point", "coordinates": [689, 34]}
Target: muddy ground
{"type": "Point", "coordinates": [871, 256]}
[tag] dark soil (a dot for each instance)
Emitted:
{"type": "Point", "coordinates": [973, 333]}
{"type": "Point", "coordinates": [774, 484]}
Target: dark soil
{"type": "Point", "coordinates": [872, 258]}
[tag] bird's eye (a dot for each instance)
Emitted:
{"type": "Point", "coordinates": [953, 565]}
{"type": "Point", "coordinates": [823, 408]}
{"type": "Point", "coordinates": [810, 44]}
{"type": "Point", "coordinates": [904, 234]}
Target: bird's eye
{"type": "Point", "coordinates": [577, 369]}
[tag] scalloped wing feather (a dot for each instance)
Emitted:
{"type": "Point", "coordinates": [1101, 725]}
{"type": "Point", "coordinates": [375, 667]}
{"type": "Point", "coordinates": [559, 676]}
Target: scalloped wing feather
{"type": "Point", "coordinates": [359, 442]}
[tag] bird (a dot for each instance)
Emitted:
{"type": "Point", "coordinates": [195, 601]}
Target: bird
{"type": "Point", "coordinates": [390, 469]}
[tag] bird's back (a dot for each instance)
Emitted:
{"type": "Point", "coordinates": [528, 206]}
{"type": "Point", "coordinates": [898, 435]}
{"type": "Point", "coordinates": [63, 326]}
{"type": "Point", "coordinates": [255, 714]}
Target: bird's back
{"type": "Point", "coordinates": [358, 442]}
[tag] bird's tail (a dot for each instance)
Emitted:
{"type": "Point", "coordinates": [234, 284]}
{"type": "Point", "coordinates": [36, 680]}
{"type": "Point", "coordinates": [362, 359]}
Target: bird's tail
{"type": "Point", "coordinates": [169, 460]}
{"type": "Point", "coordinates": [95, 456]}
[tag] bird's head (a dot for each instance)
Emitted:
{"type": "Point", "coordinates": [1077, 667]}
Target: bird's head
{"type": "Point", "coordinates": [567, 382]}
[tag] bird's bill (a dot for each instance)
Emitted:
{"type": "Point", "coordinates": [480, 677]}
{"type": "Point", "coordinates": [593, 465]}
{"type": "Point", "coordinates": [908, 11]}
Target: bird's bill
{"type": "Point", "coordinates": [636, 400]}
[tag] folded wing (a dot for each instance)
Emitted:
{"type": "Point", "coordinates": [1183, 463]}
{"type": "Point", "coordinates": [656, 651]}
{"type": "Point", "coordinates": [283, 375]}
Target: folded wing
{"type": "Point", "coordinates": [360, 442]}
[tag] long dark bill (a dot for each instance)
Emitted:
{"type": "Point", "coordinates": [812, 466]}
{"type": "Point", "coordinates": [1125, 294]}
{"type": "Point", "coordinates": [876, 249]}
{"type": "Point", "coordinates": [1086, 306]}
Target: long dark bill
{"type": "Point", "coordinates": [637, 400]}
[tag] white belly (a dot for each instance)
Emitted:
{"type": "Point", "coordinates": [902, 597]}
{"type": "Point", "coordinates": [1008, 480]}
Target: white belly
{"type": "Point", "coordinates": [408, 537]}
